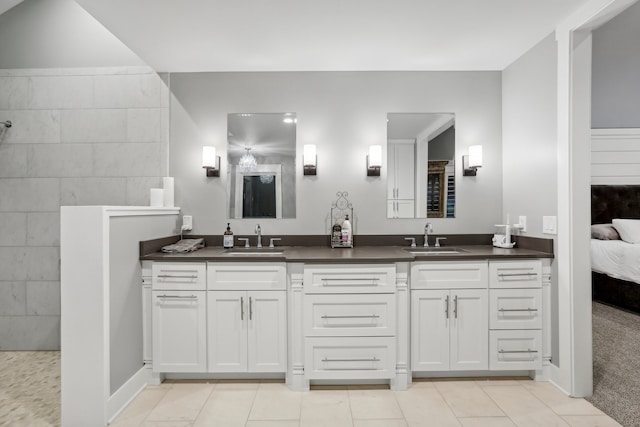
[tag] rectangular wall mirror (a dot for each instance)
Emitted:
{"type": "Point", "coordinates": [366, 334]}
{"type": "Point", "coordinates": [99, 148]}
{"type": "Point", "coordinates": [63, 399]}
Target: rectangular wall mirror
{"type": "Point", "coordinates": [261, 154]}
{"type": "Point", "coordinates": [420, 165]}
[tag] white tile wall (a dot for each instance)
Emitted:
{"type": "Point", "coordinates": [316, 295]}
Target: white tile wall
{"type": "Point", "coordinates": [80, 137]}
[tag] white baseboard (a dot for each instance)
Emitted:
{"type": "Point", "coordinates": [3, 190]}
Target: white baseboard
{"type": "Point", "coordinates": [129, 390]}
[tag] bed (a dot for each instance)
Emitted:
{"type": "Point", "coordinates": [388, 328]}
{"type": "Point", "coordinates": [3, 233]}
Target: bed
{"type": "Point", "coordinates": [615, 263]}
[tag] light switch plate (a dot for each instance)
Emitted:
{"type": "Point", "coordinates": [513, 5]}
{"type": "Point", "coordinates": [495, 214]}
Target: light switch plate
{"type": "Point", "coordinates": [550, 225]}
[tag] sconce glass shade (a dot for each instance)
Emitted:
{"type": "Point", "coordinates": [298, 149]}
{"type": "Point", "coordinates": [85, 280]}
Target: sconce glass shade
{"type": "Point", "coordinates": [309, 159]}
{"type": "Point", "coordinates": [475, 156]}
{"type": "Point", "coordinates": [247, 162]}
{"type": "Point", "coordinates": [375, 156]}
{"type": "Point", "coordinates": [309, 155]}
{"type": "Point", "coordinates": [208, 157]}
{"type": "Point", "coordinates": [374, 160]}
{"type": "Point", "coordinates": [210, 161]}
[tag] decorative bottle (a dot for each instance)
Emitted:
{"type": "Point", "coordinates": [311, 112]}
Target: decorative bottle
{"type": "Point", "coordinates": [227, 239]}
{"type": "Point", "coordinates": [346, 231]}
{"type": "Point", "coordinates": [336, 234]}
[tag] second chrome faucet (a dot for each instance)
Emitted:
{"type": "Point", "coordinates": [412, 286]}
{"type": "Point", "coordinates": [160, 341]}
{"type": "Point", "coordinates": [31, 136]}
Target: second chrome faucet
{"type": "Point", "coordinates": [427, 229]}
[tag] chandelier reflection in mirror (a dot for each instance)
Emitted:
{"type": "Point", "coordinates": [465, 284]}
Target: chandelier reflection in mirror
{"type": "Point", "coordinates": [266, 179]}
{"type": "Point", "coordinates": [247, 162]}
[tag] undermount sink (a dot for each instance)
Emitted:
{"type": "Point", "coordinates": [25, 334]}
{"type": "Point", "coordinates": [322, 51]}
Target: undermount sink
{"type": "Point", "coordinates": [435, 251]}
{"type": "Point", "coordinates": [252, 252]}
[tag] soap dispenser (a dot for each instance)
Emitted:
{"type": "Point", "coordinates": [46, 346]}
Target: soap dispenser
{"type": "Point", "coordinates": [227, 239]}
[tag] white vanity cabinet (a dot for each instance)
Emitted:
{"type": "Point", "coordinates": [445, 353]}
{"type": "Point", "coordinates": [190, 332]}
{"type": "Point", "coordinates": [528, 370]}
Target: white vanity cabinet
{"type": "Point", "coordinates": [449, 316]}
{"type": "Point", "coordinates": [349, 321]}
{"type": "Point", "coordinates": [178, 317]}
{"type": "Point", "coordinates": [516, 315]}
{"type": "Point", "coordinates": [246, 322]}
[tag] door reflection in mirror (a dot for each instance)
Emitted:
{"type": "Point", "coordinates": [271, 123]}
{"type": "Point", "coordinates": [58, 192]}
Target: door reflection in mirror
{"type": "Point", "coordinates": [266, 187]}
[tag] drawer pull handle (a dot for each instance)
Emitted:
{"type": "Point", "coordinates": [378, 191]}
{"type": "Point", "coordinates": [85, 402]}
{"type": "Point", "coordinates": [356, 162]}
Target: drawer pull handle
{"type": "Point", "coordinates": [241, 308]}
{"type": "Point", "coordinates": [172, 276]}
{"type": "Point", "coordinates": [364, 316]}
{"type": "Point", "coordinates": [518, 309]}
{"type": "Point", "coordinates": [326, 281]}
{"type": "Point", "coordinates": [446, 307]}
{"type": "Point", "coordinates": [517, 274]}
{"type": "Point", "coordinates": [455, 306]}
{"type": "Point", "coordinates": [516, 351]}
{"type": "Point", "coordinates": [250, 308]}
{"type": "Point", "coordinates": [372, 359]}
{"type": "Point", "coordinates": [177, 296]}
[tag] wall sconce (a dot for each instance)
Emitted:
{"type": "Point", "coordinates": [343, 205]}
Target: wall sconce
{"type": "Point", "coordinates": [473, 161]}
{"type": "Point", "coordinates": [210, 161]}
{"type": "Point", "coordinates": [374, 160]}
{"type": "Point", "coordinates": [309, 159]}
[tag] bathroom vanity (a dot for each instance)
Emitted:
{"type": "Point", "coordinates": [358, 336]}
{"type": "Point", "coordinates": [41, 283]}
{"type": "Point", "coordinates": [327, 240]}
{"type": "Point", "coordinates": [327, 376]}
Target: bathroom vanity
{"type": "Point", "coordinates": [367, 314]}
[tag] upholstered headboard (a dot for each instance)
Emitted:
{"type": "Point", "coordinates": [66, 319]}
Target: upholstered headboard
{"type": "Point", "coordinates": [614, 201]}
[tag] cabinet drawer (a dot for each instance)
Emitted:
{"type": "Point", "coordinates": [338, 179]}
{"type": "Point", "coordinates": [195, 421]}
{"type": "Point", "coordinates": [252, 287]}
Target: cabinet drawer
{"type": "Point", "coordinates": [349, 315]}
{"type": "Point", "coordinates": [178, 276]}
{"type": "Point", "coordinates": [515, 308]}
{"type": "Point", "coordinates": [515, 350]}
{"type": "Point", "coordinates": [349, 278]}
{"type": "Point", "coordinates": [449, 275]}
{"type": "Point", "coordinates": [349, 358]}
{"type": "Point", "coordinates": [515, 274]}
{"type": "Point", "coordinates": [246, 276]}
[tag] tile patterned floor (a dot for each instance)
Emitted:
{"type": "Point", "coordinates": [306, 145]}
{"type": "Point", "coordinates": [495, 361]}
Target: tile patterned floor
{"type": "Point", "coordinates": [30, 397]}
{"type": "Point", "coordinates": [468, 403]}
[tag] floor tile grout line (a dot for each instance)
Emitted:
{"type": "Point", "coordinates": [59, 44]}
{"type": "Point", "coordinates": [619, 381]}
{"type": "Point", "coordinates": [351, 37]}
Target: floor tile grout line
{"type": "Point", "coordinates": [214, 386]}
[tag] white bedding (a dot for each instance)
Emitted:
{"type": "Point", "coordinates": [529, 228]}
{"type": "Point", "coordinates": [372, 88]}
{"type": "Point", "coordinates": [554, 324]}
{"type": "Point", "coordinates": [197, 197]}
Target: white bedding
{"type": "Point", "coordinates": [616, 258]}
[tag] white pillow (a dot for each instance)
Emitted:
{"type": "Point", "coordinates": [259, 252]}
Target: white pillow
{"type": "Point", "coordinates": [629, 229]}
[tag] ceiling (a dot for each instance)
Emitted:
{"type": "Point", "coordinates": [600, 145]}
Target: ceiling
{"type": "Point", "coordinates": [329, 35]}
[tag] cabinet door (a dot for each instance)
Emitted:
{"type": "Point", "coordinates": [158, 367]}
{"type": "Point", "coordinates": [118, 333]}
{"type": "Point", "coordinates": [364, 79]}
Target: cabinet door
{"type": "Point", "coordinates": [405, 208]}
{"type": "Point", "coordinates": [430, 321]}
{"type": "Point", "coordinates": [227, 332]}
{"type": "Point", "coordinates": [267, 331]}
{"type": "Point", "coordinates": [404, 165]}
{"type": "Point", "coordinates": [179, 331]}
{"type": "Point", "coordinates": [469, 329]}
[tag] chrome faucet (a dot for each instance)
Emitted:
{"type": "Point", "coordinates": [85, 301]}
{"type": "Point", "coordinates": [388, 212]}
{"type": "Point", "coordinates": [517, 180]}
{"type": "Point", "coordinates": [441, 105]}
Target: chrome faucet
{"type": "Point", "coordinates": [427, 229]}
{"type": "Point", "coordinates": [259, 233]}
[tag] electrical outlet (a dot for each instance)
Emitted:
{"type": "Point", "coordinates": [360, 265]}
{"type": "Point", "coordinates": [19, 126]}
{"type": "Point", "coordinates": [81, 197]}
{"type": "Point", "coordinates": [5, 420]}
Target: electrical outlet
{"type": "Point", "coordinates": [522, 222]}
{"type": "Point", "coordinates": [550, 225]}
{"type": "Point", "coordinates": [187, 223]}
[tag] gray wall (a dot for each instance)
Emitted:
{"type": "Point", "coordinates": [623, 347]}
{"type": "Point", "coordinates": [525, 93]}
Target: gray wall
{"type": "Point", "coordinates": [529, 111]}
{"type": "Point", "coordinates": [442, 146]}
{"type": "Point", "coordinates": [342, 113]}
{"type": "Point", "coordinates": [616, 72]}
{"type": "Point", "coordinates": [80, 137]}
{"type": "Point", "coordinates": [58, 33]}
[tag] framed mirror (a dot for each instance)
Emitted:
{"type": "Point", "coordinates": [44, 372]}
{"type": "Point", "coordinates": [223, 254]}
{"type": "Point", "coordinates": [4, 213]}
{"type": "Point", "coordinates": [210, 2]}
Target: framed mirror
{"type": "Point", "coordinates": [421, 165]}
{"type": "Point", "coordinates": [261, 154]}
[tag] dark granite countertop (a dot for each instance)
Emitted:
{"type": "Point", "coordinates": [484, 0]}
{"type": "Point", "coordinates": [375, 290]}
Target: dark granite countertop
{"type": "Point", "coordinates": [362, 254]}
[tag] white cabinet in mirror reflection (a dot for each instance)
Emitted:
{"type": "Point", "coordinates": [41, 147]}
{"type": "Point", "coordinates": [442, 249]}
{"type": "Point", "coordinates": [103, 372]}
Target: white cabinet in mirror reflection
{"type": "Point", "coordinates": [400, 179]}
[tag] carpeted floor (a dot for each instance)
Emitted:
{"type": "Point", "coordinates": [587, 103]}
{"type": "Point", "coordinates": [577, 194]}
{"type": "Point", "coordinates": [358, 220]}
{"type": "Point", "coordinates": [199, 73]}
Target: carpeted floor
{"type": "Point", "coordinates": [616, 364]}
{"type": "Point", "coordinates": [29, 388]}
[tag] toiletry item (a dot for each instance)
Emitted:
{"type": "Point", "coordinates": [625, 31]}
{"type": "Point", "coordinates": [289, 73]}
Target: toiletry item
{"type": "Point", "coordinates": [227, 239]}
{"type": "Point", "coordinates": [167, 185]}
{"type": "Point", "coordinates": [156, 197]}
{"type": "Point", "coordinates": [336, 233]}
{"type": "Point", "coordinates": [346, 231]}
